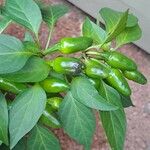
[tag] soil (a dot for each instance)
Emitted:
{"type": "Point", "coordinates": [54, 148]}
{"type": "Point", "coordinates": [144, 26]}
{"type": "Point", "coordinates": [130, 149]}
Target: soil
{"type": "Point", "coordinates": [138, 117]}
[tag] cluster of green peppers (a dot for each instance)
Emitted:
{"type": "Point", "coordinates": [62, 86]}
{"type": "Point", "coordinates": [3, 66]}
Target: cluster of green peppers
{"type": "Point", "coordinates": [121, 67]}
{"type": "Point", "coordinates": [110, 66]}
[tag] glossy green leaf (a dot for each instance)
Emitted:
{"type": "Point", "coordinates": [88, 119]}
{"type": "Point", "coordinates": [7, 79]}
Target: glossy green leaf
{"type": "Point", "coordinates": [41, 138]}
{"type": "Point", "coordinates": [132, 20]}
{"type": "Point", "coordinates": [24, 12]}
{"type": "Point", "coordinates": [77, 120]}
{"type": "Point", "coordinates": [130, 34]}
{"type": "Point", "coordinates": [25, 111]}
{"type": "Point", "coordinates": [4, 22]}
{"type": "Point", "coordinates": [0, 142]}
{"type": "Point", "coordinates": [126, 101]}
{"type": "Point", "coordinates": [52, 13]}
{"type": "Point", "coordinates": [35, 70]}
{"type": "Point", "coordinates": [12, 55]}
{"type": "Point", "coordinates": [114, 26]}
{"type": "Point", "coordinates": [3, 120]}
{"type": "Point", "coordinates": [28, 37]}
{"type": "Point", "coordinates": [90, 29]}
{"type": "Point", "coordinates": [111, 17]}
{"type": "Point", "coordinates": [114, 122]}
{"type": "Point", "coordinates": [85, 92]}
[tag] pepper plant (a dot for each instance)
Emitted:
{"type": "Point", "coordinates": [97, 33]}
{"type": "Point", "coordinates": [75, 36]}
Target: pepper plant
{"type": "Point", "coordinates": [39, 94]}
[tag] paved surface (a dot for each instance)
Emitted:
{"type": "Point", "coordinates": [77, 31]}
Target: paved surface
{"type": "Point", "coordinates": [138, 118]}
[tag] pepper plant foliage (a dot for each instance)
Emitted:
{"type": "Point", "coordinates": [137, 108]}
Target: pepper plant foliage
{"type": "Point", "coordinates": [38, 94]}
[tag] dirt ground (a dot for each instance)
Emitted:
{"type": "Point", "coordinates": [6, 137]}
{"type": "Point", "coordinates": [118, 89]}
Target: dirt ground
{"type": "Point", "coordinates": [138, 118]}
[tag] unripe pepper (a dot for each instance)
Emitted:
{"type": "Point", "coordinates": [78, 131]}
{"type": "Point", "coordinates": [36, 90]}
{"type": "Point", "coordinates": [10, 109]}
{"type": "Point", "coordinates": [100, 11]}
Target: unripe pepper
{"type": "Point", "coordinates": [118, 60]}
{"type": "Point", "coordinates": [95, 82]}
{"type": "Point", "coordinates": [54, 85]}
{"type": "Point", "coordinates": [117, 81]}
{"type": "Point", "coordinates": [96, 69]}
{"type": "Point", "coordinates": [54, 102]}
{"type": "Point", "coordinates": [49, 118]}
{"type": "Point", "coordinates": [11, 86]}
{"type": "Point", "coordinates": [71, 45]}
{"type": "Point", "coordinates": [135, 76]}
{"type": "Point", "coordinates": [67, 65]}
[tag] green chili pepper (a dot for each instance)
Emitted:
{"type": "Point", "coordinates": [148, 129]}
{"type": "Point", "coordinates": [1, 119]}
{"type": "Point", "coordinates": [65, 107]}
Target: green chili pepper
{"type": "Point", "coordinates": [95, 82]}
{"type": "Point", "coordinates": [135, 76]}
{"type": "Point", "coordinates": [117, 81]}
{"type": "Point", "coordinates": [49, 118]}
{"type": "Point", "coordinates": [11, 86]}
{"type": "Point", "coordinates": [96, 69]}
{"type": "Point", "coordinates": [67, 65]}
{"type": "Point", "coordinates": [54, 102]}
{"type": "Point", "coordinates": [118, 60]}
{"type": "Point", "coordinates": [54, 85]}
{"type": "Point", "coordinates": [72, 45]}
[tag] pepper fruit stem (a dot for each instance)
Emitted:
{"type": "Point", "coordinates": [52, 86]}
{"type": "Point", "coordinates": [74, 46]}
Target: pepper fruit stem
{"type": "Point", "coordinates": [99, 55]}
{"type": "Point", "coordinates": [52, 49]}
{"type": "Point", "coordinates": [93, 53]}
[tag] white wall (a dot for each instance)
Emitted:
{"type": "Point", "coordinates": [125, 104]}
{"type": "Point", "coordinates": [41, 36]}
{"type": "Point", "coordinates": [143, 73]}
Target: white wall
{"type": "Point", "coordinates": [141, 8]}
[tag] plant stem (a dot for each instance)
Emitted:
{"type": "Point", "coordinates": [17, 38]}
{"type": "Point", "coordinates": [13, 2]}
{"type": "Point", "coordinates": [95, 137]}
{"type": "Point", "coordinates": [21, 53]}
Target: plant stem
{"type": "Point", "coordinates": [98, 55]}
{"type": "Point", "coordinates": [49, 36]}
